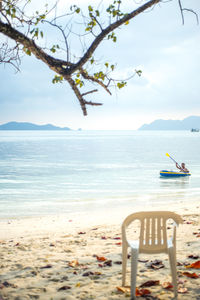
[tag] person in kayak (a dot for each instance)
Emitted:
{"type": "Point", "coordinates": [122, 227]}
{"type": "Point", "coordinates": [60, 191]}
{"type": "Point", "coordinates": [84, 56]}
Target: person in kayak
{"type": "Point", "coordinates": [182, 168]}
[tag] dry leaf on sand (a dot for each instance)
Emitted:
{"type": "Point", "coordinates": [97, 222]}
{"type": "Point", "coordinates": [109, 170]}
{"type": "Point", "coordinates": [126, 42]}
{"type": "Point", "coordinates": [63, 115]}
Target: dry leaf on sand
{"type": "Point", "coordinates": [150, 283]}
{"type": "Point", "coordinates": [101, 258]}
{"type": "Point", "coordinates": [182, 290]}
{"type": "Point", "coordinates": [73, 263]}
{"type": "Point", "coordinates": [190, 275]}
{"type": "Point", "coordinates": [123, 289]}
{"type": "Point", "coordinates": [195, 265]}
{"type": "Point", "coordinates": [167, 285]}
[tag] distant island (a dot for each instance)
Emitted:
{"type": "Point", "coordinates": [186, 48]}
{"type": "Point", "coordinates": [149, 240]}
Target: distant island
{"type": "Point", "coordinates": [192, 122]}
{"type": "Point", "coordinates": [29, 126]}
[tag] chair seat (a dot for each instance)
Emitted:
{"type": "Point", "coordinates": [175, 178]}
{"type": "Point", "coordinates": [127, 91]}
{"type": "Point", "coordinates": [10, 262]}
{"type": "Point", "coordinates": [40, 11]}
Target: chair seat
{"type": "Point", "coordinates": [134, 244]}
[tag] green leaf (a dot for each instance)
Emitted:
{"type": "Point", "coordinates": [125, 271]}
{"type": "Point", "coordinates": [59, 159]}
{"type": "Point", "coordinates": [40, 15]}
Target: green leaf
{"type": "Point", "coordinates": [54, 47]}
{"type": "Point", "coordinates": [112, 67]}
{"type": "Point", "coordinates": [112, 36]}
{"type": "Point", "coordinates": [36, 32]}
{"type": "Point", "coordinates": [99, 75]}
{"type": "Point", "coordinates": [27, 51]}
{"type": "Point", "coordinates": [79, 82]}
{"type": "Point", "coordinates": [120, 85]}
{"type": "Point", "coordinates": [57, 79]}
{"type": "Point", "coordinates": [53, 50]}
{"type": "Point", "coordinates": [13, 13]}
{"type": "Point", "coordinates": [138, 72]}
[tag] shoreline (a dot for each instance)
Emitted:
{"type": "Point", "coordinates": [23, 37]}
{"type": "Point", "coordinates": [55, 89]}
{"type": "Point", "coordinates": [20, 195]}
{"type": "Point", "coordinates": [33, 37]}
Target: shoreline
{"type": "Point", "coordinates": [56, 257]}
{"type": "Point", "coordinates": [59, 223]}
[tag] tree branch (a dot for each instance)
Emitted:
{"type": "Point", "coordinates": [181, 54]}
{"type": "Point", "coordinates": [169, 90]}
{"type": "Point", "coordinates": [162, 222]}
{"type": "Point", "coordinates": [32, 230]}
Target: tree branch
{"type": "Point", "coordinates": [181, 9]}
{"type": "Point", "coordinates": [93, 103]}
{"type": "Point", "coordinates": [63, 34]}
{"type": "Point", "coordinates": [78, 94]}
{"type": "Point", "coordinates": [92, 78]}
{"type": "Point", "coordinates": [193, 12]}
{"type": "Point", "coordinates": [186, 9]}
{"type": "Point", "coordinates": [90, 92]}
{"type": "Point", "coordinates": [109, 29]}
{"type": "Point", "coordinates": [54, 64]}
{"type": "Point", "coordinates": [82, 101]}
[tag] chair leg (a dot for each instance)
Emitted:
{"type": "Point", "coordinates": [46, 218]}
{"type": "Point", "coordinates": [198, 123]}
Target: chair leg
{"type": "Point", "coordinates": [172, 260]}
{"type": "Point", "coordinates": [134, 263]}
{"type": "Point", "coordinates": [124, 263]}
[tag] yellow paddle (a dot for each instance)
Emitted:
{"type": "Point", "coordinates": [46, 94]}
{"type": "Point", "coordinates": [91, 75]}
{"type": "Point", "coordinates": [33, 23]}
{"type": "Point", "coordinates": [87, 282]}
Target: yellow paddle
{"type": "Point", "coordinates": [173, 159]}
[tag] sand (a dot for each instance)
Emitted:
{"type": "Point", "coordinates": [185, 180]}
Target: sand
{"type": "Point", "coordinates": [79, 257]}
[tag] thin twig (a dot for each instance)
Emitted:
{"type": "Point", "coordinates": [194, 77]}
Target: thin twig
{"type": "Point", "coordinates": [89, 92]}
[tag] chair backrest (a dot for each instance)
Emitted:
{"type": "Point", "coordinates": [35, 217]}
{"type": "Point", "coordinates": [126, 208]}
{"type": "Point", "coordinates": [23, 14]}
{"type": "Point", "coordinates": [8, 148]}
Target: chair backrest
{"type": "Point", "coordinates": [153, 229]}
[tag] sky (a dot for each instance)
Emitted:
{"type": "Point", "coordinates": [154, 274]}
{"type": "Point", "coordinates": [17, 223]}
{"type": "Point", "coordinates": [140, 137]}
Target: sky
{"type": "Point", "coordinates": [156, 42]}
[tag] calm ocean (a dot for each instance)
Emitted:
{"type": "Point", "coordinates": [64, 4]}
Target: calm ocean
{"type": "Point", "coordinates": [53, 172]}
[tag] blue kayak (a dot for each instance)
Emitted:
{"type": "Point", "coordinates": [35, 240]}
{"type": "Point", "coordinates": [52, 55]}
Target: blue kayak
{"type": "Point", "coordinates": [165, 173]}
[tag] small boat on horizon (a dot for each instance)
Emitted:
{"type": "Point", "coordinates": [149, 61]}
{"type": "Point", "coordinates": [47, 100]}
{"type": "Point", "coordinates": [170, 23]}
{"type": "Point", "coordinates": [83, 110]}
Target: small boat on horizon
{"type": "Point", "coordinates": [195, 130]}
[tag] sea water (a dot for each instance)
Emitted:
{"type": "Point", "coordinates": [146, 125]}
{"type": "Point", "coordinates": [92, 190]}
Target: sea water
{"type": "Point", "coordinates": [54, 172]}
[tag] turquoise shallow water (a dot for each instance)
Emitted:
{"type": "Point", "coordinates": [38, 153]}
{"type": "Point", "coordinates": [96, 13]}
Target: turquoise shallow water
{"type": "Point", "coordinates": [47, 172]}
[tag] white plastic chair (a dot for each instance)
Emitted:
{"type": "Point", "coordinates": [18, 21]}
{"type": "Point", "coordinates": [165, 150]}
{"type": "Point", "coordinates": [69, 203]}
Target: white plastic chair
{"type": "Point", "coordinates": [152, 239]}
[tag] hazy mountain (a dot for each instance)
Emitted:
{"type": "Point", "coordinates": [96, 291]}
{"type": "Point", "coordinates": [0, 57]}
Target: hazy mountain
{"type": "Point", "coordinates": [185, 124]}
{"type": "Point", "coordinates": [29, 126]}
